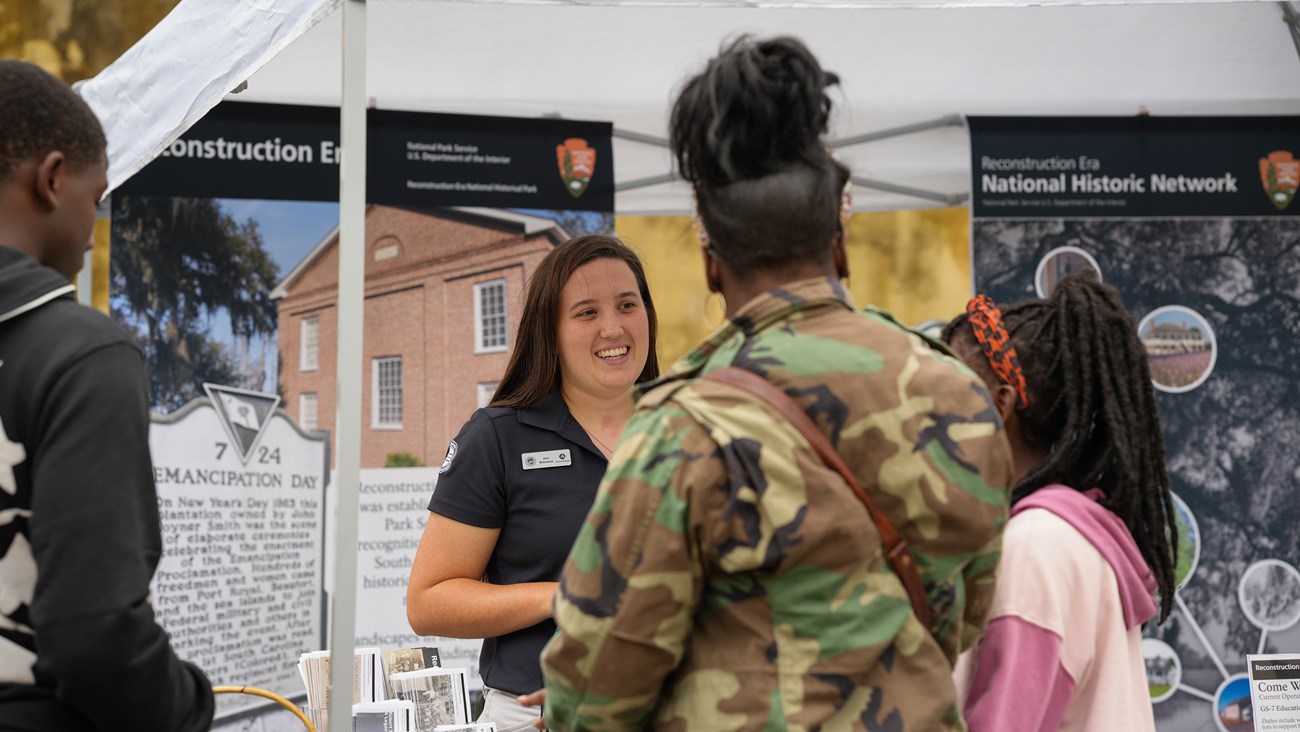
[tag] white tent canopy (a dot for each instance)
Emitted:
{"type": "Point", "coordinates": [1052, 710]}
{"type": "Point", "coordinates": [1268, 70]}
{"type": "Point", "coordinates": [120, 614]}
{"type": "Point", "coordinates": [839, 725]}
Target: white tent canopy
{"type": "Point", "coordinates": [622, 63]}
{"type": "Point", "coordinates": [901, 62]}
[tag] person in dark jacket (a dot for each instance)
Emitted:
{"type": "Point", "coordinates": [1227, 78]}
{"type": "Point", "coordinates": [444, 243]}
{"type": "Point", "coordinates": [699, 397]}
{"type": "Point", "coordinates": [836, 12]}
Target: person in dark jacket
{"type": "Point", "coordinates": [79, 530]}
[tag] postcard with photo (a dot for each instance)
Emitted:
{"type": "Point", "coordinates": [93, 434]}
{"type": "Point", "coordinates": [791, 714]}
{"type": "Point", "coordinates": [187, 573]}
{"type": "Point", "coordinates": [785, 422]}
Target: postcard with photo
{"type": "Point", "coordinates": [440, 694]}
{"type": "Point", "coordinates": [408, 659]}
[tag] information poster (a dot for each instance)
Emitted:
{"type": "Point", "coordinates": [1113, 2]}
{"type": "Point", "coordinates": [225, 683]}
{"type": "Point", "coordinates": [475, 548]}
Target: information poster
{"type": "Point", "coordinates": [1275, 692]}
{"type": "Point", "coordinates": [224, 264]}
{"type": "Point", "coordinates": [1194, 221]}
{"type": "Point", "coordinates": [241, 495]}
{"type": "Point", "coordinates": [394, 509]}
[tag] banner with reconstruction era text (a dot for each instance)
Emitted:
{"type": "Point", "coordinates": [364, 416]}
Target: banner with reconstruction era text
{"type": "Point", "coordinates": [1194, 220]}
{"type": "Point", "coordinates": [224, 264]}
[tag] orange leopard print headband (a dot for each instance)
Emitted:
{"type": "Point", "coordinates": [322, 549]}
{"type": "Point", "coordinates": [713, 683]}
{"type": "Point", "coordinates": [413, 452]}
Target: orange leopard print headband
{"type": "Point", "coordinates": [995, 342]}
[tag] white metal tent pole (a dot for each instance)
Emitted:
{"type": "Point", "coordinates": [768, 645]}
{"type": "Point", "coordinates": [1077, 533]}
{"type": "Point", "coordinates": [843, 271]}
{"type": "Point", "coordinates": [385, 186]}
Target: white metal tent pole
{"type": "Point", "coordinates": [351, 311]}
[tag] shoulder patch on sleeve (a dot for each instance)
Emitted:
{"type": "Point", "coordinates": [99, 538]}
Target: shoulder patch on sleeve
{"type": "Point", "coordinates": [451, 455]}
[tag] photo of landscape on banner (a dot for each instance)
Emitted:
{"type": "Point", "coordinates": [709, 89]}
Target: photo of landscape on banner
{"type": "Point", "coordinates": [1194, 221]}
{"type": "Point", "coordinates": [224, 265]}
{"type": "Point", "coordinates": [224, 258]}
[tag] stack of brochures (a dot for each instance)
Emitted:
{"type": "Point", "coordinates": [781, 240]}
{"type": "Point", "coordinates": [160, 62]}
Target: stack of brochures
{"type": "Point", "coordinates": [368, 684]}
{"type": "Point", "coordinates": [397, 715]}
{"type": "Point", "coordinates": [405, 690]}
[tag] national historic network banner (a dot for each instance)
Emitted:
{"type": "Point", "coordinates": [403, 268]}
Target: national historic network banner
{"type": "Point", "coordinates": [1194, 220]}
{"type": "Point", "coordinates": [1108, 167]}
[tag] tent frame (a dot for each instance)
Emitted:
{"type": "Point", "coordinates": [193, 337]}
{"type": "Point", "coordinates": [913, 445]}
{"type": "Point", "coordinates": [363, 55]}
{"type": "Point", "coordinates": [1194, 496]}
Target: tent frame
{"type": "Point", "coordinates": [351, 314]}
{"type": "Point", "coordinates": [947, 199]}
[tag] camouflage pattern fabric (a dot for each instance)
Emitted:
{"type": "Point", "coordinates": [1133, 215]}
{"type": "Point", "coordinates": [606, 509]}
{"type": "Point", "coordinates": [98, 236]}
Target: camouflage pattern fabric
{"type": "Point", "coordinates": [726, 579]}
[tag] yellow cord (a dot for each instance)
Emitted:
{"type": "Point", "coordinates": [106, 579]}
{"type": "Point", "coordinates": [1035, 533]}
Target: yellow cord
{"type": "Point", "coordinates": [254, 691]}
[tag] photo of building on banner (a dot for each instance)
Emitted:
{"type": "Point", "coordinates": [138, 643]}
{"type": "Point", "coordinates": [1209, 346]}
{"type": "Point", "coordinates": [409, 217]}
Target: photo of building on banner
{"type": "Point", "coordinates": [1194, 221]}
{"type": "Point", "coordinates": [224, 264]}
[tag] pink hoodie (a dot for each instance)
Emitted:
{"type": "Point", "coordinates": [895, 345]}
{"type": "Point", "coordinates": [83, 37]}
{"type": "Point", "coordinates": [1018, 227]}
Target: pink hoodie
{"type": "Point", "coordinates": [1062, 650]}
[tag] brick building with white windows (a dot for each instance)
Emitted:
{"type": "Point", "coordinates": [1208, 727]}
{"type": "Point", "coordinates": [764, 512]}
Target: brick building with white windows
{"type": "Point", "coordinates": [444, 290]}
{"type": "Point", "coordinates": [1173, 338]}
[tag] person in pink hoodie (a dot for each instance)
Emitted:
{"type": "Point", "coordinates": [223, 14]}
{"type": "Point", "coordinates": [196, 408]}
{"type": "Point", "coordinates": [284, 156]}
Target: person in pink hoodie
{"type": "Point", "coordinates": [1091, 536]}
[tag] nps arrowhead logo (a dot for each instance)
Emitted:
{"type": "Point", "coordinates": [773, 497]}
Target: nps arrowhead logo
{"type": "Point", "coordinates": [1280, 172]}
{"type": "Point", "coordinates": [244, 414]}
{"type": "Point", "coordinates": [577, 163]}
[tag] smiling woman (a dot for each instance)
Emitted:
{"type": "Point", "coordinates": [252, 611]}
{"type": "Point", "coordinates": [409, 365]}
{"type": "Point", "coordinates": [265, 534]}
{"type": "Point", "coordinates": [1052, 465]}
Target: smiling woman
{"type": "Point", "coordinates": [521, 475]}
{"type": "Point", "coordinates": [603, 335]}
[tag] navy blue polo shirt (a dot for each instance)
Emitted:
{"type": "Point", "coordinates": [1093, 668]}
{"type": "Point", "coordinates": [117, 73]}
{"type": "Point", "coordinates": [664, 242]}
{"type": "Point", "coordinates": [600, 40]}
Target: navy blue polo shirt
{"type": "Point", "coordinates": [532, 473]}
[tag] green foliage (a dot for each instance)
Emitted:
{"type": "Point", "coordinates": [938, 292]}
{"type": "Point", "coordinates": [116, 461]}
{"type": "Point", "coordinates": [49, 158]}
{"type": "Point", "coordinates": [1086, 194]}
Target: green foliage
{"type": "Point", "coordinates": [177, 265]}
{"type": "Point", "coordinates": [402, 460]}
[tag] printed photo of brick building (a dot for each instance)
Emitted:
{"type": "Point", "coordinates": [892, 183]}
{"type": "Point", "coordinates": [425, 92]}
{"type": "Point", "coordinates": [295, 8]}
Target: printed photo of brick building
{"type": "Point", "coordinates": [1180, 347]}
{"type": "Point", "coordinates": [444, 290]}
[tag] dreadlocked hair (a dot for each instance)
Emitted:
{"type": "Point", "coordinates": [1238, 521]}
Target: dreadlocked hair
{"type": "Point", "coordinates": [747, 135]}
{"type": "Point", "coordinates": [1092, 411]}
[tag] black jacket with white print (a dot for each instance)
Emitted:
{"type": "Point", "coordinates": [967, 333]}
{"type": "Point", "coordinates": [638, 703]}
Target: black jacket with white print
{"type": "Point", "coordinates": [79, 532]}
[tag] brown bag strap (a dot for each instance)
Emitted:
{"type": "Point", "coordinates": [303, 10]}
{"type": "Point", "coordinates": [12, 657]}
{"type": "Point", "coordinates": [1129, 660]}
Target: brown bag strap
{"type": "Point", "coordinates": [896, 551]}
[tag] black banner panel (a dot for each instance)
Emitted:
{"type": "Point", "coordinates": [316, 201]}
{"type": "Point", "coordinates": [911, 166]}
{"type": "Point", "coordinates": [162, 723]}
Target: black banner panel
{"type": "Point", "coordinates": [414, 159]}
{"type": "Point", "coordinates": [1195, 222]}
{"type": "Point", "coordinates": [273, 152]}
{"type": "Point", "coordinates": [418, 159]}
{"type": "Point", "coordinates": [1134, 166]}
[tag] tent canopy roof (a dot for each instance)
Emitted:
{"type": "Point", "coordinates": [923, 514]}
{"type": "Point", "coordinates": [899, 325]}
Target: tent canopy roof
{"type": "Point", "coordinates": [898, 66]}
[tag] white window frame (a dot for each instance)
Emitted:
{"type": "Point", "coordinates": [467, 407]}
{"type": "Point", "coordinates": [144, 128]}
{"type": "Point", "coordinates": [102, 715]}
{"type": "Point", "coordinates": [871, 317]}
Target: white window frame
{"type": "Point", "coordinates": [480, 346]}
{"type": "Point", "coordinates": [305, 420]}
{"type": "Point", "coordinates": [309, 355]}
{"type": "Point", "coordinates": [485, 391]}
{"type": "Point", "coordinates": [376, 366]}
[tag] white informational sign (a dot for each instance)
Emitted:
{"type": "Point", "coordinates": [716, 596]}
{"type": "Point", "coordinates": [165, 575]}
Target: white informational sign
{"type": "Point", "coordinates": [241, 497]}
{"type": "Point", "coordinates": [1275, 691]}
{"type": "Point", "coordinates": [394, 508]}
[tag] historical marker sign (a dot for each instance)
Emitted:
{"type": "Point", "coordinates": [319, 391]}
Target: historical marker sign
{"type": "Point", "coordinates": [241, 583]}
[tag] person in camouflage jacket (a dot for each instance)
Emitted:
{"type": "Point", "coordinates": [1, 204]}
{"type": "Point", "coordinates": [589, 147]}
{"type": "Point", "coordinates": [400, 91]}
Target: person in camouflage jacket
{"type": "Point", "coordinates": [725, 578]}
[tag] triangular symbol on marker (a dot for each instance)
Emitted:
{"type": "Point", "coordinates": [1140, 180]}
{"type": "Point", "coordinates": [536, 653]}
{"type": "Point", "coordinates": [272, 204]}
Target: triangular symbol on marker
{"type": "Point", "coordinates": [244, 414]}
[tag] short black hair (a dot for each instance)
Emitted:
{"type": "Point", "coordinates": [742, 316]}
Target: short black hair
{"type": "Point", "coordinates": [747, 134]}
{"type": "Point", "coordinates": [40, 114]}
{"type": "Point", "coordinates": [1092, 411]}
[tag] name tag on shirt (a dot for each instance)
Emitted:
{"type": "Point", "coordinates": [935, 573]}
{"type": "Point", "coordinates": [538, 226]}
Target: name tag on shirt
{"type": "Point", "coordinates": [549, 459]}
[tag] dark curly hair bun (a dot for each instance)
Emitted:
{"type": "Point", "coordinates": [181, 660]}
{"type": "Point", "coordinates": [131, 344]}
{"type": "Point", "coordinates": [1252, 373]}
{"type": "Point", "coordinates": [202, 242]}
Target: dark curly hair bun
{"type": "Point", "coordinates": [755, 109]}
{"type": "Point", "coordinates": [747, 133]}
